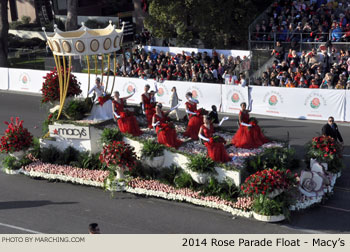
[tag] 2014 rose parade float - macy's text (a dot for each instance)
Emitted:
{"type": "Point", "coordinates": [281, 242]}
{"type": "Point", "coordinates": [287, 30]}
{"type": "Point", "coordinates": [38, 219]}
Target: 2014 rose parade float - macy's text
{"type": "Point", "coordinates": [265, 242]}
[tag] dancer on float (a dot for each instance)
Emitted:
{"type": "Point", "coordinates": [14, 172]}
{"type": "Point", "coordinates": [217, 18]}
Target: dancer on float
{"type": "Point", "coordinates": [215, 144]}
{"type": "Point", "coordinates": [148, 104]}
{"type": "Point", "coordinates": [127, 122]}
{"type": "Point", "coordinates": [102, 108]}
{"type": "Point", "coordinates": [165, 130]}
{"type": "Point", "coordinates": [249, 134]}
{"type": "Point", "coordinates": [195, 117]}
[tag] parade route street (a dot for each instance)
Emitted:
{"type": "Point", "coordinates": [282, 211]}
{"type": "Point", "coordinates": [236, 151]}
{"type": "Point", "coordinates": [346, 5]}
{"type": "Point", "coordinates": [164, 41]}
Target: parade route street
{"type": "Point", "coordinates": [38, 206]}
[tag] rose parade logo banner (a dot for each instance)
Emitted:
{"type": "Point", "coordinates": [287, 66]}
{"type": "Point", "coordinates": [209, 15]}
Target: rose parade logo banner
{"type": "Point", "coordinates": [24, 80]}
{"type": "Point", "coordinates": [196, 92]}
{"type": "Point", "coordinates": [69, 131]}
{"type": "Point", "coordinates": [128, 89]}
{"type": "Point", "coordinates": [273, 101]}
{"type": "Point", "coordinates": [163, 95]}
{"type": "Point", "coordinates": [315, 104]}
{"type": "Point", "coordinates": [233, 97]}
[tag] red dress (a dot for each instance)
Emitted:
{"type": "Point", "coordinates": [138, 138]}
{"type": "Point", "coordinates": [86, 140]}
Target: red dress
{"type": "Point", "coordinates": [248, 138]}
{"type": "Point", "coordinates": [149, 109]}
{"type": "Point", "coordinates": [216, 150]}
{"type": "Point", "coordinates": [165, 133]}
{"type": "Point", "coordinates": [127, 122]}
{"type": "Point", "coordinates": [194, 123]}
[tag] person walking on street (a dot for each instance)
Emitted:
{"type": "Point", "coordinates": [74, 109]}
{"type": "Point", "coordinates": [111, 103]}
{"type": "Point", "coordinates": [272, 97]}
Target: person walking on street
{"type": "Point", "coordinates": [331, 129]}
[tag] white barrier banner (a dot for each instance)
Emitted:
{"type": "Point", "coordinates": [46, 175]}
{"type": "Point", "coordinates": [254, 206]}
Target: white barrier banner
{"type": "Point", "coordinates": [188, 51]}
{"type": "Point", "coordinates": [315, 104]}
{"type": "Point", "coordinates": [26, 80]}
{"type": "Point", "coordinates": [207, 94]}
{"type": "Point", "coordinates": [232, 97]}
{"type": "Point", "coordinates": [4, 73]}
{"type": "Point", "coordinates": [347, 106]}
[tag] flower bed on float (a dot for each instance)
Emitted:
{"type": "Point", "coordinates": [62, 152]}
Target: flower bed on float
{"type": "Point", "coordinates": [270, 188]}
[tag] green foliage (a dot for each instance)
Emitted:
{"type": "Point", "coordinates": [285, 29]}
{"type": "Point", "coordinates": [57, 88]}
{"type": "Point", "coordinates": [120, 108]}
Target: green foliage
{"type": "Point", "coordinates": [26, 19]}
{"type": "Point", "coordinates": [218, 24]}
{"type": "Point", "coordinates": [184, 180]}
{"type": "Point", "coordinates": [9, 162]}
{"type": "Point", "coordinates": [95, 24]}
{"type": "Point", "coordinates": [226, 189]}
{"type": "Point", "coordinates": [35, 151]}
{"type": "Point", "coordinates": [76, 110]}
{"type": "Point", "coordinates": [111, 134]}
{"type": "Point", "coordinates": [201, 164]}
{"type": "Point", "coordinates": [276, 158]}
{"type": "Point", "coordinates": [268, 207]}
{"type": "Point", "coordinates": [50, 154]}
{"type": "Point", "coordinates": [152, 149]}
{"type": "Point", "coordinates": [49, 120]}
{"type": "Point", "coordinates": [71, 156]}
{"type": "Point", "coordinates": [12, 163]}
{"type": "Point", "coordinates": [89, 161]}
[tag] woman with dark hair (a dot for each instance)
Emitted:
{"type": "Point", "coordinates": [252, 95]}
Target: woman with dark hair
{"type": "Point", "coordinates": [215, 145]}
{"type": "Point", "coordinates": [195, 117]}
{"type": "Point", "coordinates": [166, 132]}
{"type": "Point", "coordinates": [249, 135]}
{"type": "Point", "coordinates": [148, 105]}
{"type": "Point", "coordinates": [127, 122]}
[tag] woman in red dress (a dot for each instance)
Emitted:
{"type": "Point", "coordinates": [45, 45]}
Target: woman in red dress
{"type": "Point", "coordinates": [126, 121]}
{"type": "Point", "coordinates": [166, 133]}
{"type": "Point", "coordinates": [215, 145]}
{"type": "Point", "coordinates": [148, 104]}
{"type": "Point", "coordinates": [195, 117]}
{"type": "Point", "coordinates": [249, 135]}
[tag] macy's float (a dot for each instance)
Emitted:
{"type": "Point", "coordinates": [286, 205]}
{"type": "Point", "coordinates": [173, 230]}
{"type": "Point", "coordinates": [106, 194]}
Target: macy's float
{"type": "Point", "coordinates": [255, 183]}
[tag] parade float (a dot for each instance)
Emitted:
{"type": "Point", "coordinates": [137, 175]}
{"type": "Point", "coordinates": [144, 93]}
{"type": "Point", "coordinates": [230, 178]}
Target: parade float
{"type": "Point", "coordinates": [255, 183]}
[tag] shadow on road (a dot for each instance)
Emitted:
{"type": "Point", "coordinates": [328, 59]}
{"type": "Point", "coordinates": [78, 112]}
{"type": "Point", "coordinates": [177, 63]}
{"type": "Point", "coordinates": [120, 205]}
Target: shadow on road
{"type": "Point", "coordinates": [29, 204]}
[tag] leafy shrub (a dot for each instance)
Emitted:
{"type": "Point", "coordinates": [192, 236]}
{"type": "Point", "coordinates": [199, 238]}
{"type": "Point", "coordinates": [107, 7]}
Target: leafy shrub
{"type": "Point", "coordinates": [268, 207]}
{"type": "Point", "coordinates": [49, 121]}
{"type": "Point", "coordinates": [94, 24]}
{"type": "Point", "coordinates": [12, 163]}
{"type": "Point", "coordinates": [50, 154]}
{"type": "Point", "coordinates": [184, 180]}
{"type": "Point", "coordinates": [152, 149]}
{"type": "Point", "coordinates": [111, 134]}
{"type": "Point", "coordinates": [89, 161]}
{"type": "Point", "coordinates": [276, 158]}
{"type": "Point", "coordinates": [76, 110]}
{"type": "Point", "coordinates": [226, 189]}
{"type": "Point", "coordinates": [201, 164]}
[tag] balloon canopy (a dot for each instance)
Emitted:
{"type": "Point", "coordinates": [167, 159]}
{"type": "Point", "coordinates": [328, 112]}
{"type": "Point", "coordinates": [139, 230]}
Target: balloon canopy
{"type": "Point", "coordinates": [85, 41]}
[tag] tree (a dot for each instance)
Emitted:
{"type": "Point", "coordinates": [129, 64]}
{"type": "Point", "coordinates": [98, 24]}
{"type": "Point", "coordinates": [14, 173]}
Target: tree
{"type": "Point", "coordinates": [216, 23]}
{"type": "Point", "coordinates": [4, 30]}
{"type": "Point", "coordinates": [72, 15]}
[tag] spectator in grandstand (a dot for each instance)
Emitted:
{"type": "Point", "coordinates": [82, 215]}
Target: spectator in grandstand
{"type": "Point", "coordinates": [313, 84]}
{"type": "Point", "coordinates": [278, 51]}
{"type": "Point", "coordinates": [336, 33]}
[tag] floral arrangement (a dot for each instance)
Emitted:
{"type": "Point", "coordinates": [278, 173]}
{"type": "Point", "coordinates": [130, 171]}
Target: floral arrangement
{"type": "Point", "coordinates": [268, 180]}
{"type": "Point", "coordinates": [51, 89]}
{"type": "Point", "coordinates": [103, 98]}
{"type": "Point", "coordinates": [244, 203]}
{"type": "Point", "coordinates": [16, 137]}
{"type": "Point", "coordinates": [155, 185]}
{"type": "Point", "coordinates": [324, 148]}
{"type": "Point", "coordinates": [70, 173]}
{"type": "Point", "coordinates": [118, 154]}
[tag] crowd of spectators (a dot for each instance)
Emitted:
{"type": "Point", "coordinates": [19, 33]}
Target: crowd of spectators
{"type": "Point", "coordinates": [314, 69]}
{"type": "Point", "coordinates": [196, 67]}
{"type": "Point", "coordinates": [316, 20]}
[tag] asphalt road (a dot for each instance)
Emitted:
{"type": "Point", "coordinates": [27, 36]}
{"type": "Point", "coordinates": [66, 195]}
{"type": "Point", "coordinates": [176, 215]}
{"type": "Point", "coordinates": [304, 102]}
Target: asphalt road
{"type": "Point", "coordinates": [30, 205]}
